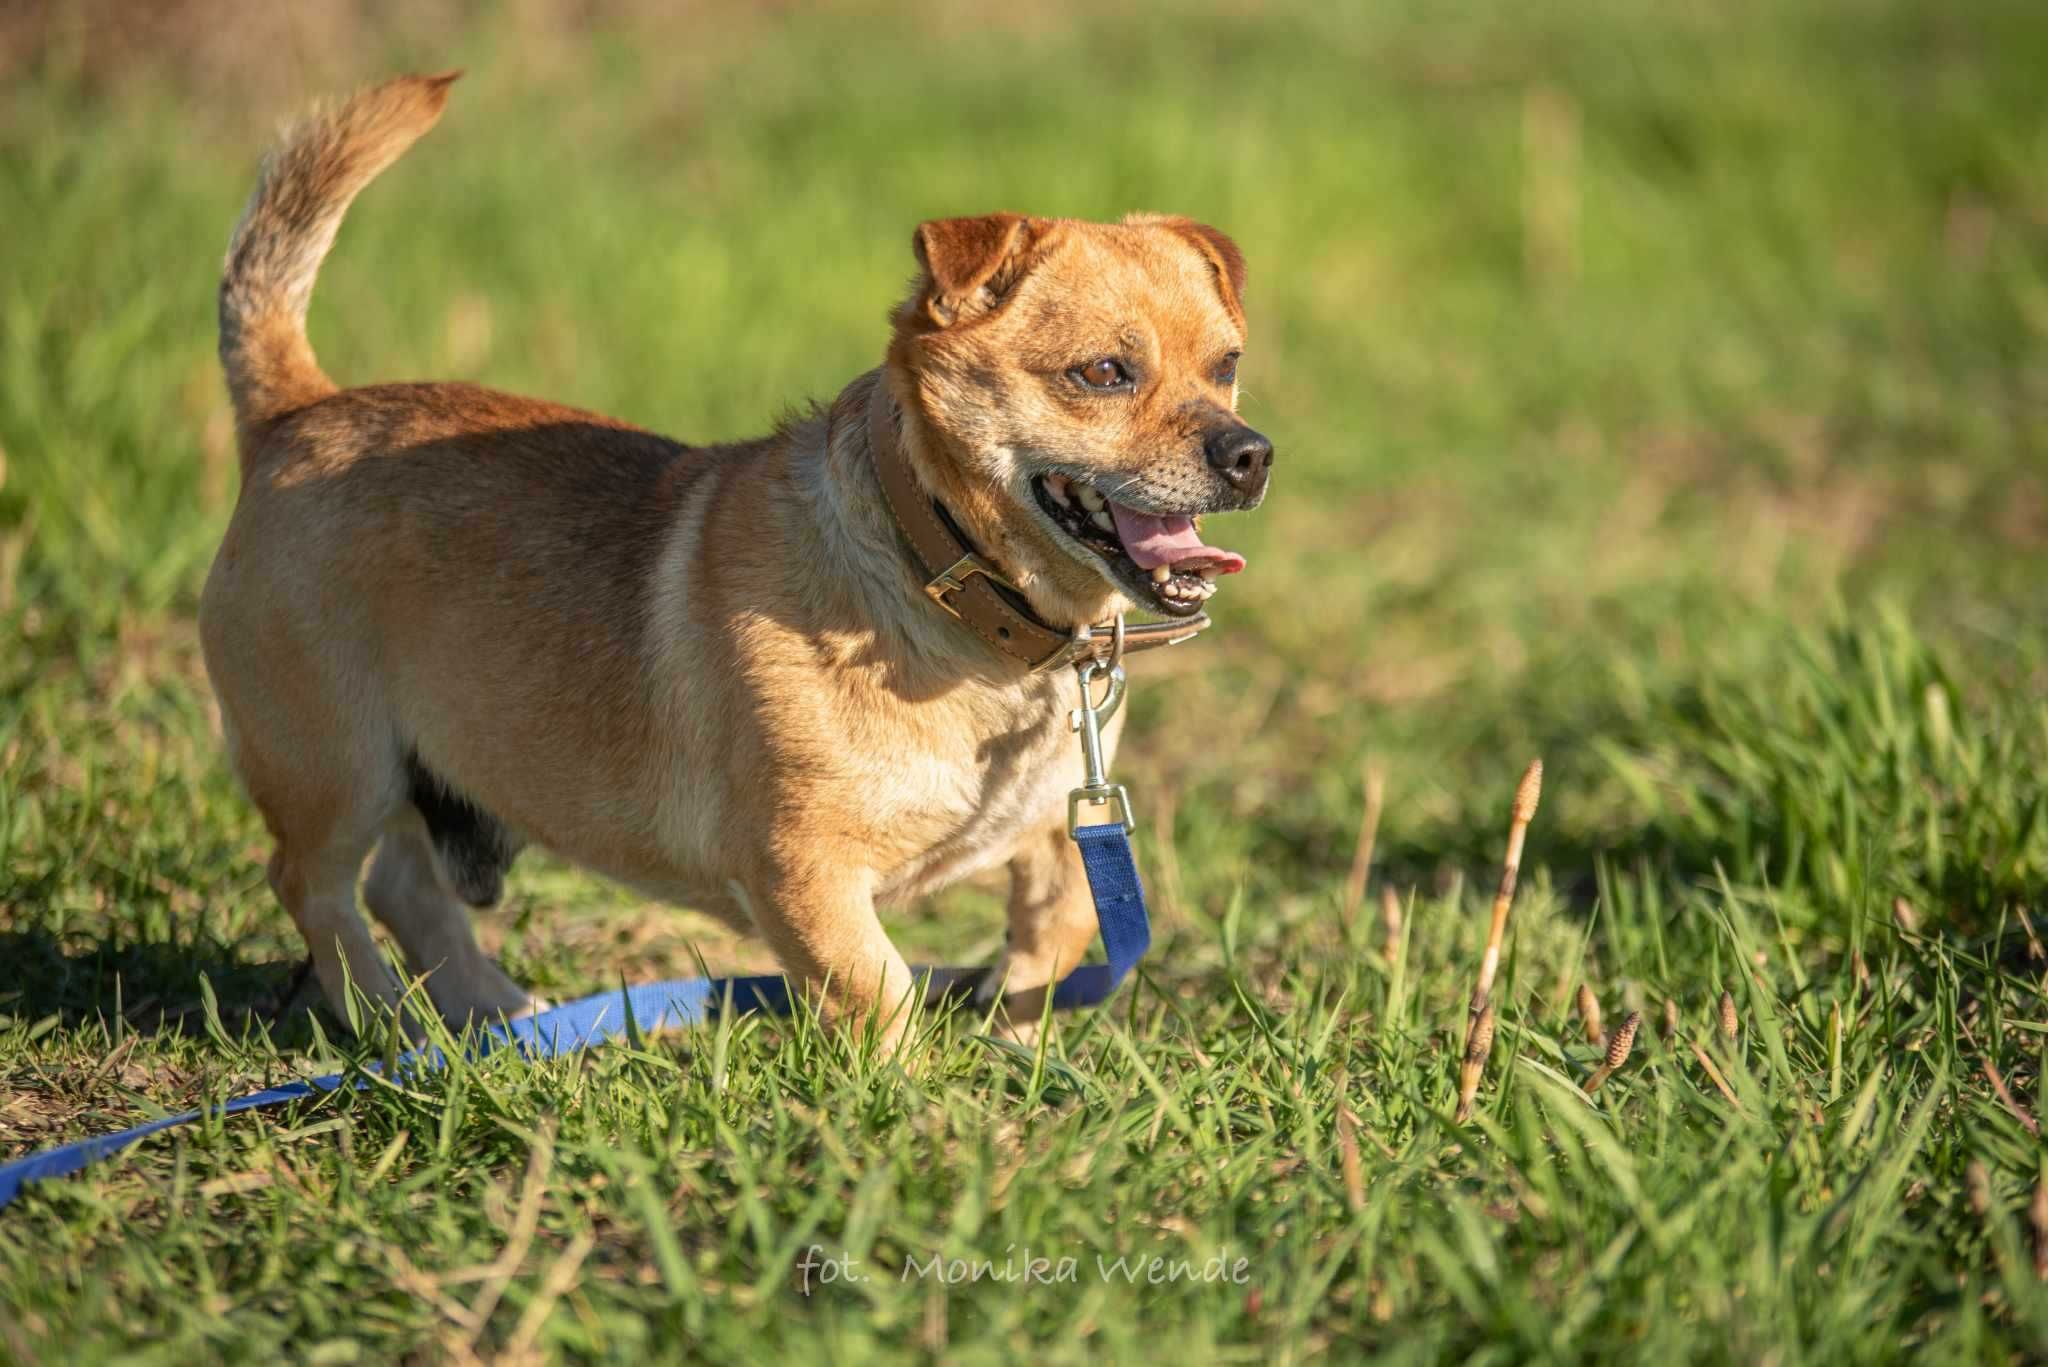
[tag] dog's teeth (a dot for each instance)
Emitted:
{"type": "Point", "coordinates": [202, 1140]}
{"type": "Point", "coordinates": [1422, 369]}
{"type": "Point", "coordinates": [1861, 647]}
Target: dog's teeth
{"type": "Point", "coordinates": [1208, 573]}
{"type": "Point", "coordinates": [1090, 500]}
{"type": "Point", "coordinates": [1101, 518]}
{"type": "Point", "coordinates": [1160, 574]}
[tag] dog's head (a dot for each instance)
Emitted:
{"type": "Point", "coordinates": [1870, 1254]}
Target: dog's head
{"type": "Point", "coordinates": [1080, 384]}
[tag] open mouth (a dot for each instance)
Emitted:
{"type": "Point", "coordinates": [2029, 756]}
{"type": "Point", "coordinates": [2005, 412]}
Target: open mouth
{"type": "Point", "coordinates": [1161, 562]}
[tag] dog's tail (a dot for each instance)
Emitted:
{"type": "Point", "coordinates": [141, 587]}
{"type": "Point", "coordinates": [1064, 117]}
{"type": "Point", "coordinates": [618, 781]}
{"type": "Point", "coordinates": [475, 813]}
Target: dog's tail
{"type": "Point", "coordinates": [306, 185]}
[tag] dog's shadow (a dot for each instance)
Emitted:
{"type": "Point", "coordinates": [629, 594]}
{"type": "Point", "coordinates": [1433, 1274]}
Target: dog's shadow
{"type": "Point", "coordinates": [151, 987]}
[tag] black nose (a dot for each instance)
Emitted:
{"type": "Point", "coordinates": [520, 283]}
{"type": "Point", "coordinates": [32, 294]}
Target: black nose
{"type": "Point", "coordinates": [1241, 456]}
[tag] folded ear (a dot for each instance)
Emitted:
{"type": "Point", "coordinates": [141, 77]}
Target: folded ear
{"type": "Point", "coordinates": [1224, 257]}
{"type": "Point", "coordinates": [971, 263]}
{"type": "Point", "coordinates": [1223, 253]}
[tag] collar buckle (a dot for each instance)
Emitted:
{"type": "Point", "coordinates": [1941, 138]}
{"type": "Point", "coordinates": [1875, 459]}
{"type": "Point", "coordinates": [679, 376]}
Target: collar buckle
{"type": "Point", "coordinates": [953, 579]}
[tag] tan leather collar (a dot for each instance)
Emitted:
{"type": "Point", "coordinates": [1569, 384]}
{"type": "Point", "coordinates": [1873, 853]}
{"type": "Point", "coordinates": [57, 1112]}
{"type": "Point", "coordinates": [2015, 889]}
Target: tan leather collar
{"type": "Point", "coordinates": [972, 590]}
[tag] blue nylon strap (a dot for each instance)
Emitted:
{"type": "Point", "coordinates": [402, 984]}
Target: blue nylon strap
{"type": "Point", "coordinates": [1119, 910]}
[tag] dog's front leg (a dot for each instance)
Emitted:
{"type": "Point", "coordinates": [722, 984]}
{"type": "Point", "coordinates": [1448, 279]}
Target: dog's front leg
{"type": "Point", "coordinates": [1052, 923]}
{"type": "Point", "coordinates": [821, 923]}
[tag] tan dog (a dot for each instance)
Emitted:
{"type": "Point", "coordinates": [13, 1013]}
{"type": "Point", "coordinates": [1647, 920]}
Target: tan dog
{"type": "Point", "coordinates": [446, 621]}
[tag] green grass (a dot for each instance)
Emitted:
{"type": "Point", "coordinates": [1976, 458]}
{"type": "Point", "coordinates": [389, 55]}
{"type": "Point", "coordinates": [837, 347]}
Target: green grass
{"type": "Point", "coordinates": [1658, 390]}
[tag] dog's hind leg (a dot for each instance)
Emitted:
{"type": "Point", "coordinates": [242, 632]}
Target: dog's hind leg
{"type": "Point", "coordinates": [409, 891]}
{"type": "Point", "coordinates": [313, 871]}
{"type": "Point", "coordinates": [325, 784]}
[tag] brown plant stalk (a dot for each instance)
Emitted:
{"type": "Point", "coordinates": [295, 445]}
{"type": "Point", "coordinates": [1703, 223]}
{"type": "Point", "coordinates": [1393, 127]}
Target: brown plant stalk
{"type": "Point", "coordinates": [1714, 1075]}
{"type": "Point", "coordinates": [1347, 1151]}
{"type": "Point", "coordinates": [1617, 1051]}
{"type": "Point", "coordinates": [1390, 921]}
{"type": "Point", "coordinates": [1368, 835]}
{"type": "Point", "coordinates": [2005, 1099]}
{"type": "Point", "coordinates": [1589, 1016]}
{"type": "Point", "coordinates": [1478, 1042]}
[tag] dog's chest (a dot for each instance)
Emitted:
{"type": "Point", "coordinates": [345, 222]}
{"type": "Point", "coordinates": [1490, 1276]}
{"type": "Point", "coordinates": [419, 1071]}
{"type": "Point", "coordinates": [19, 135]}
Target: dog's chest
{"type": "Point", "coordinates": [966, 794]}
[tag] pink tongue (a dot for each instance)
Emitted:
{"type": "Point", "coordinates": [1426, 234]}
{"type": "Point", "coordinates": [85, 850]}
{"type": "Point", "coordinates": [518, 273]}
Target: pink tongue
{"type": "Point", "coordinates": [1171, 541]}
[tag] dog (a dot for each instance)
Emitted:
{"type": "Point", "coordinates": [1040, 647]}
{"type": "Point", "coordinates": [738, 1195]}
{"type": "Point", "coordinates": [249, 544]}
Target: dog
{"type": "Point", "coordinates": [446, 622]}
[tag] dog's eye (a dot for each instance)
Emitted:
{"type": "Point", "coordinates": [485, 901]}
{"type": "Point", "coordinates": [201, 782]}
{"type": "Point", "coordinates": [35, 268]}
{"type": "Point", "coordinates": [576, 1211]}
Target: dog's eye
{"type": "Point", "coordinates": [1103, 373]}
{"type": "Point", "coordinates": [1226, 369]}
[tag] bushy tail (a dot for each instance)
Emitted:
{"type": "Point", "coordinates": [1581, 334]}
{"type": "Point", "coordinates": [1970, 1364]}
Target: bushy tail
{"type": "Point", "coordinates": [305, 187]}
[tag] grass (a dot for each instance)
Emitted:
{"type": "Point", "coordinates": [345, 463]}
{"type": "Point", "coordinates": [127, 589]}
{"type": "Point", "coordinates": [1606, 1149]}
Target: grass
{"type": "Point", "coordinates": [1659, 391]}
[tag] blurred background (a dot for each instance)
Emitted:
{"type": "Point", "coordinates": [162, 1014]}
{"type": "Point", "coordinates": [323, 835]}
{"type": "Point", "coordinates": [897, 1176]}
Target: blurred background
{"type": "Point", "coordinates": [1620, 358]}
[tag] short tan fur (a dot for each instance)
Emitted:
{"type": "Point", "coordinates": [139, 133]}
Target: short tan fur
{"type": "Point", "coordinates": [445, 621]}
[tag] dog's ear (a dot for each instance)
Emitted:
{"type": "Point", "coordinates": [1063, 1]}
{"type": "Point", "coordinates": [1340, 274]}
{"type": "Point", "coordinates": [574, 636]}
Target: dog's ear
{"type": "Point", "coordinates": [970, 264]}
{"type": "Point", "coordinates": [1223, 254]}
{"type": "Point", "coordinates": [1224, 257]}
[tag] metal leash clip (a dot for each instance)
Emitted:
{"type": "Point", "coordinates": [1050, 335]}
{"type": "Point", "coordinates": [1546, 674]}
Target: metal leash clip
{"type": "Point", "coordinates": [1089, 719]}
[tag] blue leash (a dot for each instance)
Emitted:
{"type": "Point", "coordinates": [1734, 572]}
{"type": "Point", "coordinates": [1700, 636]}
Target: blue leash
{"type": "Point", "coordinates": [1119, 910]}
